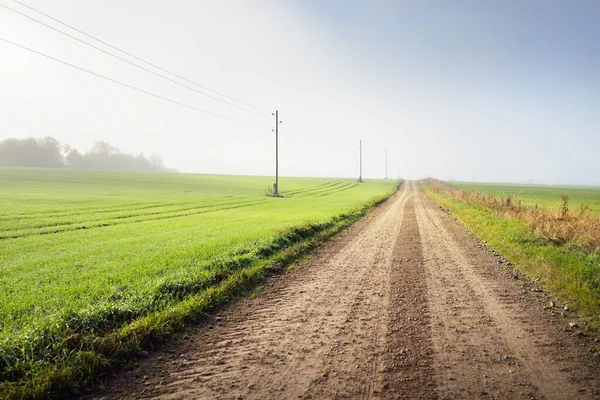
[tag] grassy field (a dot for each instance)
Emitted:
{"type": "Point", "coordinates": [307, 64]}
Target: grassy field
{"type": "Point", "coordinates": [546, 197]}
{"type": "Point", "coordinates": [569, 270]}
{"type": "Point", "coordinates": [95, 265]}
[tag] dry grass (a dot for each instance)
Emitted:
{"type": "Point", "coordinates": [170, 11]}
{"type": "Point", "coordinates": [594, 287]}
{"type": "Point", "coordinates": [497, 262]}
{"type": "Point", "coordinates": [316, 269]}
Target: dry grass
{"type": "Point", "coordinates": [565, 226]}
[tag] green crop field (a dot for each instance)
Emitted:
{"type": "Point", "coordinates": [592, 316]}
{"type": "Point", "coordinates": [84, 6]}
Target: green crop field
{"type": "Point", "coordinates": [546, 197]}
{"type": "Point", "coordinates": [88, 253]}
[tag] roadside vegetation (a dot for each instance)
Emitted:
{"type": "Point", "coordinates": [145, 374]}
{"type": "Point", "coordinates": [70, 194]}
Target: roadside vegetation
{"type": "Point", "coordinates": [549, 239]}
{"type": "Point", "coordinates": [98, 266]}
{"type": "Point", "coordinates": [546, 197]}
{"type": "Point", "coordinates": [560, 215]}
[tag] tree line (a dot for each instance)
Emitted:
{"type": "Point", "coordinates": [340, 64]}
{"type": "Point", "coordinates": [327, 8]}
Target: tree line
{"type": "Point", "coordinates": [50, 153]}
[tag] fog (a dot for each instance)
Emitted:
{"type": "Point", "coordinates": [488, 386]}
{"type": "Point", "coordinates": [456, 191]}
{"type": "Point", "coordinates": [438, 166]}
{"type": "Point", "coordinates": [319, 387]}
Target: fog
{"type": "Point", "coordinates": [466, 90]}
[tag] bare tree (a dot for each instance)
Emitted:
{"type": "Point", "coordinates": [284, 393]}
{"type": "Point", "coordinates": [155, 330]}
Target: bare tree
{"type": "Point", "coordinates": [156, 161]}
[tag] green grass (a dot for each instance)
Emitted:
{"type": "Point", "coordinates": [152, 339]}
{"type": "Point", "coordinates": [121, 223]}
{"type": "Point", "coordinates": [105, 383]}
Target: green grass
{"type": "Point", "coordinates": [546, 197]}
{"type": "Point", "coordinates": [570, 272]}
{"type": "Point", "coordinates": [96, 265]}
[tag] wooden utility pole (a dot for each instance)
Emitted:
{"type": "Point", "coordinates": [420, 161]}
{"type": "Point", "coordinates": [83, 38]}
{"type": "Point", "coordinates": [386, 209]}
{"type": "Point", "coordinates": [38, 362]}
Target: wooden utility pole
{"type": "Point", "coordinates": [360, 158]}
{"type": "Point", "coordinates": [386, 163]}
{"type": "Point", "coordinates": [277, 122]}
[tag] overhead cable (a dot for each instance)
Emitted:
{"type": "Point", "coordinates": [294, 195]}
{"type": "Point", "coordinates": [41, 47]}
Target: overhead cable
{"type": "Point", "coordinates": [130, 86]}
{"type": "Point", "coordinates": [127, 61]}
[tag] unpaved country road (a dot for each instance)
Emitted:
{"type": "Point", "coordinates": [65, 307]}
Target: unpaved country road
{"type": "Point", "coordinates": [403, 305]}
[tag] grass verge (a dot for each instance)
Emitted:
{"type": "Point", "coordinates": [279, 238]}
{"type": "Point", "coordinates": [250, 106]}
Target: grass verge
{"type": "Point", "coordinates": [569, 271]}
{"type": "Point", "coordinates": [73, 349]}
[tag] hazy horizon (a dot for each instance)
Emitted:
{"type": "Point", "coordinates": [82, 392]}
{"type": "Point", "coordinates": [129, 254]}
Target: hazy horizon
{"type": "Point", "coordinates": [500, 91]}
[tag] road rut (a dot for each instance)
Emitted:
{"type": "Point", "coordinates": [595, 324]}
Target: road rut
{"type": "Point", "coordinates": [403, 305]}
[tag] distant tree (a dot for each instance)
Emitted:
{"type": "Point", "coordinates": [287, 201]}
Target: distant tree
{"type": "Point", "coordinates": [122, 161]}
{"type": "Point", "coordinates": [104, 148]}
{"type": "Point", "coordinates": [157, 162]}
{"type": "Point", "coordinates": [141, 163]}
{"type": "Point", "coordinates": [66, 149]}
{"type": "Point", "coordinates": [99, 156]}
{"type": "Point", "coordinates": [31, 152]}
{"type": "Point", "coordinates": [49, 152]}
{"type": "Point", "coordinates": [75, 159]}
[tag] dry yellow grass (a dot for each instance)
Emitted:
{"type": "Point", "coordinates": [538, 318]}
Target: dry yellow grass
{"type": "Point", "coordinates": [577, 227]}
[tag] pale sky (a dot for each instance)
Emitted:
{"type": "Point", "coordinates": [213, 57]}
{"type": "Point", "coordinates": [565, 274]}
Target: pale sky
{"type": "Point", "coordinates": [466, 90]}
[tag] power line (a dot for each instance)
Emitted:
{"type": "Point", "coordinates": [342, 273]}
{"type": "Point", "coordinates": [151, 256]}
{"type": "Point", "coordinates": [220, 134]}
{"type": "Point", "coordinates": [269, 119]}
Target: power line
{"type": "Point", "coordinates": [121, 58]}
{"type": "Point", "coordinates": [140, 59]}
{"type": "Point", "coordinates": [130, 86]}
{"type": "Point", "coordinates": [128, 62]}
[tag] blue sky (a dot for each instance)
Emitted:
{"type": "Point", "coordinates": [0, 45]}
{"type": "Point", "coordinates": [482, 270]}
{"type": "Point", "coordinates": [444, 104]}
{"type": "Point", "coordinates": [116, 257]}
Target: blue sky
{"type": "Point", "coordinates": [530, 69]}
{"type": "Point", "coordinates": [466, 90]}
{"type": "Point", "coordinates": [469, 40]}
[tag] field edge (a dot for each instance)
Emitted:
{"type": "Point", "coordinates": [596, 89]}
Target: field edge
{"type": "Point", "coordinates": [541, 262]}
{"type": "Point", "coordinates": [94, 357]}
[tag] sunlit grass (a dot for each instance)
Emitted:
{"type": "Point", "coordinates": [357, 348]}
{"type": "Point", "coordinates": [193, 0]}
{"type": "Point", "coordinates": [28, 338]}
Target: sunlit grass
{"type": "Point", "coordinates": [567, 269]}
{"type": "Point", "coordinates": [87, 255]}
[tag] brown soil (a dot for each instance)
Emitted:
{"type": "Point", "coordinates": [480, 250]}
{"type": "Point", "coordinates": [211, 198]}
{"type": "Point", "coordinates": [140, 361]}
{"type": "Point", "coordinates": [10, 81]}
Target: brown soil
{"type": "Point", "coordinates": [405, 304]}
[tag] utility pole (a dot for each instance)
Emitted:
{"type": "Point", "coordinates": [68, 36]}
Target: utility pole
{"type": "Point", "coordinates": [386, 163]}
{"type": "Point", "coordinates": [360, 152]}
{"type": "Point", "coordinates": [398, 171]}
{"type": "Point", "coordinates": [277, 122]}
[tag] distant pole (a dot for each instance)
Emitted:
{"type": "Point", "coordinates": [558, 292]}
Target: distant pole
{"type": "Point", "coordinates": [386, 163]}
{"type": "Point", "coordinates": [276, 188]}
{"type": "Point", "coordinates": [276, 151]}
{"type": "Point", "coordinates": [398, 171]}
{"type": "Point", "coordinates": [360, 158]}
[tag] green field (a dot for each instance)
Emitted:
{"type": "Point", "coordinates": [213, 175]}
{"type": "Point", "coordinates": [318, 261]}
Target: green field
{"type": "Point", "coordinates": [546, 197]}
{"type": "Point", "coordinates": [92, 252]}
{"type": "Point", "coordinates": [569, 271]}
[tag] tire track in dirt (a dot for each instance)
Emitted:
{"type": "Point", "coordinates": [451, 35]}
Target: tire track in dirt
{"type": "Point", "coordinates": [407, 369]}
{"type": "Point", "coordinates": [404, 305]}
{"type": "Point", "coordinates": [316, 335]}
{"type": "Point", "coordinates": [352, 364]}
{"type": "Point", "coordinates": [488, 340]}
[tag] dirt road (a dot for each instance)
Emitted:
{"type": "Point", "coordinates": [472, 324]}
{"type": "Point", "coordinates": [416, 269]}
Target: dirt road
{"type": "Point", "coordinates": [403, 305]}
